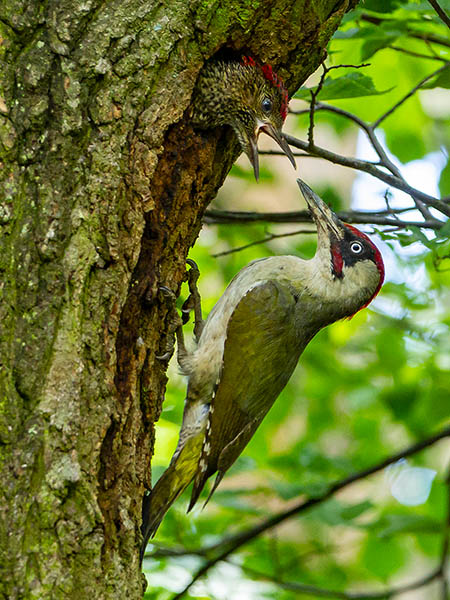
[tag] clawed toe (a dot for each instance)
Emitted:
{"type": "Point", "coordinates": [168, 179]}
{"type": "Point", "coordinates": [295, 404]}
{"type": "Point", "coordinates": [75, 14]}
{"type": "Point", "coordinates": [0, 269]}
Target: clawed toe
{"type": "Point", "coordinates": [167, 292]}
{"type": "Point", "coordinates": [164, 356]}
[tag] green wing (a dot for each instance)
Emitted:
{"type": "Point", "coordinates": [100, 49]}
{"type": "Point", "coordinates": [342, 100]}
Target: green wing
{"type": "Point", "coordinates": [261, 350]}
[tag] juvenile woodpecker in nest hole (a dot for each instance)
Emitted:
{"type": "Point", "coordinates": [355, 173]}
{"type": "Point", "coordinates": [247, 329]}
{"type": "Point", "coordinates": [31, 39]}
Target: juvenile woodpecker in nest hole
{"type": "Point", "coordinates": [246, 95]}
{"type": "Point", "coordinates": [250, 344]}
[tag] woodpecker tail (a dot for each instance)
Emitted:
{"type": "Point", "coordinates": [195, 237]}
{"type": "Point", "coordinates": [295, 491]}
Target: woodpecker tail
{"type": "Point", "coordinates": [171, 484]}
{"type": "Point", "coordinates": [157, 503]}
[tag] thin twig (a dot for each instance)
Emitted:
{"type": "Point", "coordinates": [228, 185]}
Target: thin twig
{"type": "Point", "coordinates": [441, 12]}
{"type": "Point", "coordinates": [165, 552]}
{"type": "Point", "coordinates": [316, 91]}
{"type": "Point", "coordinates": [417, 54]}
{"type": "Point", "coordinates": [269, 238]}
{"type": "Point", "coordinates": [302, 588]}
{"type": "Point", "coordinates": [367, 167]}
{"type": "Point", "coordinates": [222, 217]}
{"type": "Point", "coordinates": [384, 160]}
{"type": "Point", "coordinates": [278, 153]}
{"type": "Point", "coordinates": [428, 37]}
{"type": "Point", "coordinates": [229, 545]}
{"type": "Point", "coordinates": [368, 129]}
{"type": "Point", "coordinates": [409, 94]}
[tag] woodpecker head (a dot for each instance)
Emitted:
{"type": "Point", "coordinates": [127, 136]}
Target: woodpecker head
{"type": "Point", "coordinates": [352, 266]}
{"type": "Point", "coordinates": [249, 97]}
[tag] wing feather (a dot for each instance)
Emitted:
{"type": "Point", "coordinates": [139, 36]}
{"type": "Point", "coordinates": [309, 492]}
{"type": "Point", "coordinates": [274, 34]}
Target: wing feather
{"type": "Point", "coordinates": [261, 350]}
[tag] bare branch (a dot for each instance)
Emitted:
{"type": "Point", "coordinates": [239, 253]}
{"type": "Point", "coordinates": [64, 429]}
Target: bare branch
{"type": "Point", "coordinates": [316, 91]}
{"type": "Point", "coordinates": [224, 549]}
{"type": "Point", "coordinates": [223, 217]}
{"type": "Point", "coordinates": [410, 93]}
{"type": "Point", "coordinates": [368, 129]}
{"type": "Point", "coordinates": [268, 238]}
{"type": "Point", "coordinates": [417, 54]}
{"type": "Point", "coordinates": [368, 167]}
{"type": "Point", "coordinates": [441, 12]}
{"type": "Point", "coordinates": [384, 161]}
{"type": "Point", "coordinates": [302, 588]}
{"type": "Point", "coordinates": [371, 134]}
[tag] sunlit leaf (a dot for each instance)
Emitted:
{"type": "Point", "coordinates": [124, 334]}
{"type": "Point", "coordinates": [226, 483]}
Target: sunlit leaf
{"type": "Point", "coordinates": [350, 85]}
{"type": "Point", "coordinates": [444, 180]}
{"type": "Point", "coordinates": [392, 524]}
{"type": "Point", "coordinates": [373, 44]}
{"type": "Point", "coordinates": [442, 80]}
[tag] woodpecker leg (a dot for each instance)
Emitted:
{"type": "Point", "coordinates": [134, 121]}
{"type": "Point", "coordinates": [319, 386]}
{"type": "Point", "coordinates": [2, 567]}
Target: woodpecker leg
{"type": "Point", "coordinates": [175, 329]}
{"type": "Point", "coordinates": [194, 301]}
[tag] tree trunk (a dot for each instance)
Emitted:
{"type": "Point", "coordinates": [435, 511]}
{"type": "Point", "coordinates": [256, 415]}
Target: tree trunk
{"type": "Point", "coordinates": [103, 186]}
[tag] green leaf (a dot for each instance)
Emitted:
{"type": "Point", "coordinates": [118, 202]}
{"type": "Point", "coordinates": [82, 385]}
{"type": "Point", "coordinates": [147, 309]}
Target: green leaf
{"type": "Point", "coordinates": [334, 512]}
{"type": "Point", "coordinates": [372, 45]}
{"type": "Point", "coordinates": [350, 85]}
{"type": "Point", "coordinates": [441, 80]}
{"type": "Point", "coordinates": [444, 232]}
{"type": "Point", "coordinates": [352, 511]}
{"type": "Point", "coordinates": [382, 6]}
{"type": "Point", "coordinates": [401, 399]}
{"type": "Point", "coordinates": [406, 523]}
{"type": "Point", "coordinates": [354, 33]}
{"type": "Point", "coordinates": [287, 490]}
{"type": "Point", "coordinates": [383, 558]}
{"type": "Point", "coordinates": [444, 181]}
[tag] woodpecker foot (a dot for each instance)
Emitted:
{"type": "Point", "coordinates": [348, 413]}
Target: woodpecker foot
{"type": "Point", "coordinates": [174, 321]}
{"type": "Point", "coordinates": [193, 301]}
{"type": "Point", "coordinates": [175, 330]}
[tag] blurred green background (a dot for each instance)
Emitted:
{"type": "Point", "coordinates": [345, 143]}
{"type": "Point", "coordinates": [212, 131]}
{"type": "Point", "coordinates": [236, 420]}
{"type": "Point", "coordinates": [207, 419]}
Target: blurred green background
{"type": "Point", "coordinates": [364, 388]}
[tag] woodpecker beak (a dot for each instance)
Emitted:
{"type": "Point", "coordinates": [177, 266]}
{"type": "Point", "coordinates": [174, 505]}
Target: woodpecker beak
{"type": "Point", "coordinates": [325, 219]}
{"type": "Point", "coordinates": [270, 130]}
{"type": "Point", "coordinates": [253, 155]}
{"type": "Point", "coordinates": [280, 140]}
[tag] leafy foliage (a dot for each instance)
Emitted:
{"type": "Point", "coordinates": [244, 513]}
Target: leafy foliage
{"type": "Point", "coordinates": [364, 389]}
{"type": "Point", "coordinates": [350, 85]}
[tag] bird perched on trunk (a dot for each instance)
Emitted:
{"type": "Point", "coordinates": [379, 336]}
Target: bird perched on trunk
{"type": "Point", "coordinates": [249, 346]}
{"type": "Point", "coordinates": [246, 95]}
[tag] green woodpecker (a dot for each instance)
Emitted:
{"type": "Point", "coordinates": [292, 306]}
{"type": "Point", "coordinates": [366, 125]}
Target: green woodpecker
{"type": "Point", "coordinates": [246, 95]}
{"type": "Point", "coordinates": [250, 345]}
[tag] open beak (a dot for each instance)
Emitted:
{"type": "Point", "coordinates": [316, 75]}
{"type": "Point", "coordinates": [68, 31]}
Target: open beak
{"type": "Point", "coordinates": [252, 150]}
{"type": "Point", "coordinates": [280, 140]}
{"type": "Point", "coordinates": [325, 219]}
{"type": "Point", "coordinates": [253, 155]}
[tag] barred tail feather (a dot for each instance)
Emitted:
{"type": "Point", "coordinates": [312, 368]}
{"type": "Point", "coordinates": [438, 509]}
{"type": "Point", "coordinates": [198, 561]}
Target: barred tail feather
{"type": "Point", "coordinates": [171, 484]}
{"type": "Point", "coordinates": [158, 502]}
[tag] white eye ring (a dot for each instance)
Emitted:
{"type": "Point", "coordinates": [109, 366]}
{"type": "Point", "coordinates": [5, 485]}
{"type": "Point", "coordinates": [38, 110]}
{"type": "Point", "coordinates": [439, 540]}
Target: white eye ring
{"type": "Point", "coordinates": [356, 247]}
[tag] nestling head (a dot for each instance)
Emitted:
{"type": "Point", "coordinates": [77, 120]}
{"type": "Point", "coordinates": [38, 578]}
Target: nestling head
{"type": "Point", "coordinates": [261, 107]}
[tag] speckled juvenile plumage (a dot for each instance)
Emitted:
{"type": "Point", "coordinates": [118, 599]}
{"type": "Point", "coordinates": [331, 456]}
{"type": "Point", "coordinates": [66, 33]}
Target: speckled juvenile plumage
{"type": "Point", "coordinates": [245, 95]}
{"type": "Point", "coordinates": [250, 345]}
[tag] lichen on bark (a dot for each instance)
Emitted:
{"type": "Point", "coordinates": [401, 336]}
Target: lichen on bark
{"type": "Point", "coordinates": [103, 185]}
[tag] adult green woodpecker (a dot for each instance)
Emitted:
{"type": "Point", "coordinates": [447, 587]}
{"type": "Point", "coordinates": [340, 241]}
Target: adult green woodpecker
{"type": "Point", "coordinates": [246, 95]}
{"type": "Point", "coordinates": [250, 344]}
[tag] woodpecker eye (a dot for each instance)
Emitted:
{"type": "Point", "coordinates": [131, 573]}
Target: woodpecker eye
{"type": "Point", "coordinates": [356, 247]}
{"type": "Point", "coordinates": [266, 105]}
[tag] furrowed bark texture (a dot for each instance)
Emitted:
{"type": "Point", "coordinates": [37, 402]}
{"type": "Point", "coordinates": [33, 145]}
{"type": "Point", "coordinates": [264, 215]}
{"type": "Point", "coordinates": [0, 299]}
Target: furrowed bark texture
{"type": "Point", "coordinates": [103, 187]}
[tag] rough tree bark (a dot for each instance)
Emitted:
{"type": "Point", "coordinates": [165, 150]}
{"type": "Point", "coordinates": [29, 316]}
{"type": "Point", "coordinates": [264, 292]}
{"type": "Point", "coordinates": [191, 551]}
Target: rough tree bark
{"type": "Point", "coordinates": [103, 187]}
